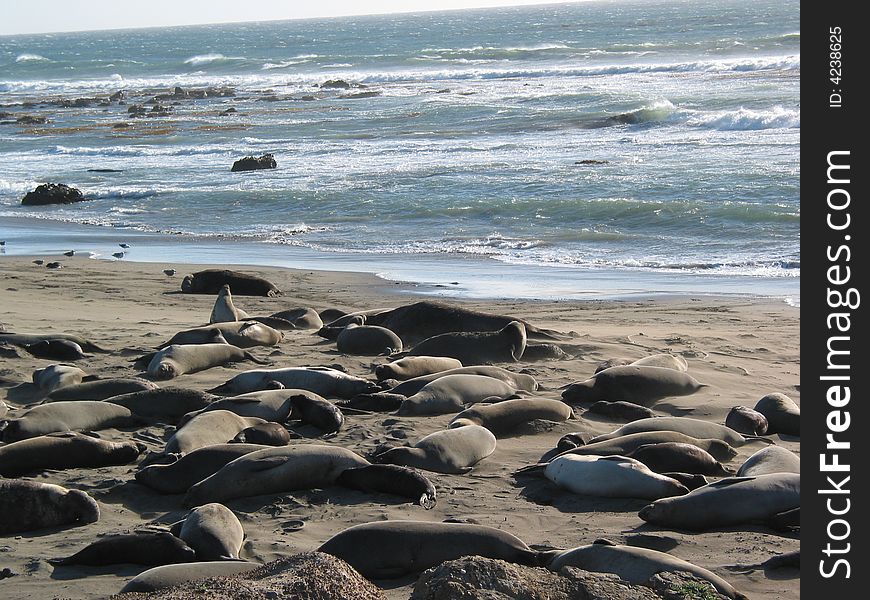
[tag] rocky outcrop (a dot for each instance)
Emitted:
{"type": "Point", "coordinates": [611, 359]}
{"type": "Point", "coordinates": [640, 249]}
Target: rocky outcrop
{"type": "Point", "coordinates": [308, 576]}
{"type": "Point", "coordinates": [476, 578]}
{"type": "Point", "coordinates": [252, 163]}
{"type": "Point", "coordinates": [52, 193]}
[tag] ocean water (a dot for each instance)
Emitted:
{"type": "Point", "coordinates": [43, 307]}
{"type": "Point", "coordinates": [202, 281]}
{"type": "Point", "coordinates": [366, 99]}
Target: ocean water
{"type": "Point", "coordinates": [461, 151]}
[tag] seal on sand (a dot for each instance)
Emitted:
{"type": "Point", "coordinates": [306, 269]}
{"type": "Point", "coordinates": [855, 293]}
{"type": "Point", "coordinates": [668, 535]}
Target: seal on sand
{"type": "Point", "coordinates": [449, 451]}
{"type": "Point", "coordinates": [177, 477]}
{"type": "Point", "coordinates": [679, 457]}
{"type": "Point", "coordinates": [696, 428]}
{"type": "Point", "coordinates": [213, 531]}
{"type": "Point", "coordinates": [635, 565]}
{"type": "Point", "coordinates": [773, 459]}
{"type": "Point", "coordinates": [452, 393]}
{"type": "Point", "coordinates": [518, 381]}
{"type": "Point", "coordinates": [167, 404]}
{"type": "Point", "coordinates": [368, 340]}
{"type": "Point", "coordinates": [610, 476]}
{"type": "Point", "coordinates": [178, 359]}
{"type": "Point", "coordinates": [624, 411]}
{"type": "Point", "coordinates": [54, 377]}
{"type": "Point", "coordinates": [324, 381]}
{"type": "Point", "coordinates": [24, 339]}
{"type": "Point", "coordinates": [141, 548]}
{"type": "Point", "coordinates": [300, 318]}
{"type": "Point", "coordinates": [212, 427]}
{"type": "Point", "coordinates": [100, 389]}
{"type": "Point", "coordinates": [637, 384]}
{"type": "Point", "coordinates": [406, 547]}
{"type": "Point", "coordinates": [64, 451]}
{"type": "Point", "coordinates": [267, 434]}
{"type": "Point", "coordinates": [224, 310]}
{"type": "Point", "coordinates": [727, 502]}
{"type": "Point", "coordinates": [624, 445]}
{"type": "Point", "coordinates": [30, 505]}
{"type": "Point", "coordinates": [314, 410]}
{"type": "Point", "coordinates": [77, 415]}
{"type": "Point", "coordinates": [56, 350]}
{"type": "Point", "coordinates": [503, 417]}
{"type": "Point", "coordinates": [211, 281]}
{"type": "Point", "coordinates": [274, 471]}
{"type": "Point", "coordinates": [747, 421]}
{"type": "Point", "coordinates": [390, 479]}
{"type": "Point", "coordinates": [166, 576]}
{"type": "Point", "coordinates": [475, 348]}
{"type": "Point", "coordinates": [415, 366]}
{"type": "Point", "coordinates": [243, 334]}
{"type": "Point", "coordinates": [782, 414]}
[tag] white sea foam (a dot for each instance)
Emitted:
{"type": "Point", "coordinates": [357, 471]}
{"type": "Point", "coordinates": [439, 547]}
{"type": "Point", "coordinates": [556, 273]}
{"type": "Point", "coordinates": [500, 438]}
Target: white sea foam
{"type": "Point", "coordinates": [204, 59]}
{"type": "Point", "coordinates": [30, 58]}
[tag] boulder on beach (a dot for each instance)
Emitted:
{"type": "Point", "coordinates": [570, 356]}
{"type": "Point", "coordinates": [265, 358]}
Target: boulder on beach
{"type": "Point", "coordinates": [252, 163]}
{"type": "Point", "coordinates": [52, 193]}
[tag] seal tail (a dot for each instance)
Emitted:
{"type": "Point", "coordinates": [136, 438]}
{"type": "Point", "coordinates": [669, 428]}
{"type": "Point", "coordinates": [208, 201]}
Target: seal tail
{"type": "Point", "coordinates": [535, 470]}
{"type": "Point", "coordinates": [758, 438]}
{"type": "Point", "coordinates": [259, 361]}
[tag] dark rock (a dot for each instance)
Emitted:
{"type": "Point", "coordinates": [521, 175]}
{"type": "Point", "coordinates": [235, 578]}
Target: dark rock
{"type": "Point", "coordinates": [227, 112]}
{"type": "Point", "coordinates": [358, 95]}
{"type": "Point", "coordinates": [308, 576]}
{"type": "Point", "coordinates": [251, 163]}
{"type": "Point", "coordinates": [136, 109]}
{"type": "Point", "coordinates": [118, 96]}
{"type": "Point", "coordinates": [179, 92]}
{"type": "Point", "coordinates": [31, 120]}
{"type": "Point", "coordinates": [476, 578]}
{"type": "Point", "coordinates": [590, 161]}
{"type": "Point", "coordinates": [5, 115]}
{"type": "Point", "coordinates": [52, 193]}
{"type": "Point", "coordinates": [335, 84]}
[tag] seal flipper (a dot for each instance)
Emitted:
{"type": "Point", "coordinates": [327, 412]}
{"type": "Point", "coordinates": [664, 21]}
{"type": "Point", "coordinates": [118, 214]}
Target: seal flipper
{"type": "Point", "coordinates": [259, 361]}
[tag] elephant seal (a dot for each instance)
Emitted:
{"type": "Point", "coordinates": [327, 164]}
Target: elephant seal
{"type": "Point", "coordinates": [746, 421]}
{"type": "Point", "coordinates": [610, 477]}
{"type": "Point", "coordinates": [624, 445]}
{"type": "Point", "coordinates": [727, 502]}
{"type": "Point", "coordinates": [518, 381]}
{"type": "Point", "coordinates": [679, 457]}
{"type": "Point", "coordinates": [540, 352]}
{"type": "Point", "coordinates": [368, 340]}
{"type": "Point", "coordinates": [210, 281]}
{"type": "Point", "coordinates": [390, 479]}
{"type": "Point", "coordinates": [275, 471]}
{"type": "Point", "coordinates": [475, 348]}
{"type": "Point", "coordinates": [100, 389]}
{"type": "Point", "coordinates": [782, 414]}
{"type": "Point", "coordinates": [167, 576]}
{"type": "Point", "coordinates": [150, 548]}
{"type": "Point", "coordinates": [54, 377]}
{"type": "Point", "coordinates": [503, 417]}
{"type": "Point", "coordinates": [780, 561]}
{"type": "Point", "coordinates": [30, 505]}
{"type": "Point", "coordinates": [178, 359]}
{"type": "Point", "coordinates": [242, 334]}
{"type": "Point", "coordinates": [24, 339]}
{"type": "Point", "coordinates": [213, 531]}
{"type": "Point", "coordinates": [56, 349]}
{"type": "Point", "coordinates": [167, 404]}
{"type": "Point", "coordinates": [224, 310]}
{"type": "Point", "coordinates": [453, 451]}
{"type": "Point", "coordinates": [406, 547]}
{"type": "Point", "coordinates": [270, 405]}
{"type": "Point", "coordinates": [637, 384]}
{"type": "Point", "coordinates": [664, 360]}
{"type": "Point", "coordinates": [624, 411]}
{"type": "Point", "coordinates": [696, 428]}
{"type": "Point", "coordinates": [415, 366]}
{"type": "Point", "coordinates": [300, 318]}
{"type": "Point", "coordinates": [328, 315]}
{"type": "Point", "coordinates": [773, 459]}
{"type": "Point", "coordinates": [266, 434]}
{"type": "Point", "coordinates": [77, 415]}
{"type": "Point", "coordinates": [314, 410]}
{"type": "Point", "coordinates": [323, 381]}
{"type": "Point", "coordinates": [208, 428]}
{"type": "Point", "coordinates": [692, 481]}
{"type": "Point", "coordinates": [453, 393]}
{"type": "Point", "coordinates": [635, 565]}
{"type": "Point", "coordinates": [177, 477]}
{"type": "Point", "coordinates": [66, 450]}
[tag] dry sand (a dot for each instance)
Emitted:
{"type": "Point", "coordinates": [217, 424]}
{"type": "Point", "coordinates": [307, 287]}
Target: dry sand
{"type": "Point", "coordinates": [743, 348]}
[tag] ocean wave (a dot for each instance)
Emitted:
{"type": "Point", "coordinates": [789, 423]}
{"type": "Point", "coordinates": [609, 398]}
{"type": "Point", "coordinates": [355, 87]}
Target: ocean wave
{"type": "Point", "coordinates": [31, 58]}
{"type": "Point", "coordinates": [205, 59]}
{"type": "Point", "coordinates": [744, 119]}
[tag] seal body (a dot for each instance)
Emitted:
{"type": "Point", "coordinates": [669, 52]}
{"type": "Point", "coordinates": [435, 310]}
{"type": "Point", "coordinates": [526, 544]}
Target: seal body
{"type": "Point", "coordinates": [267, 434]}
{"type": "Point", "coordinates": [274, 471]}
{"type": "Point", "coordinates": [391, 479]}
{"type": "Point", "coordinates": [210, 281]}
{"type": "Point", "coordinates": [624, 445]}
{"type": "Point", "coordinates": [151, 548]}
{"type": "Point", "coordinates": [773, 459]}
{"type": "Point", "coordinates": [178, 476]}
{"type": "Point", "coordinates": [212, 427]}
{"type": "Point", "coordinates": [224, 309]}
{"type": "Point", "coordinates": [213, 531]}
{"type": "Point", "coordinates": [624, 411]}
{"type": "Point", "coordinates": [301, 318]}
{"type": "Point", "coordinates": [64, 451]}
{"type": "Point", "coordinates": [679, 457]}
{"type": "Point", "coordinates": [56, 349]}
{"type": "Point", "coordinates": [101, 389]}
{"type": "Point", "coordinates": [54, 377]}
{"type": "Point", "coordinates": [78, 415]}
{"type": "Point", "coordinates": [406, 547]}
{"type": "Point", "coordinates": [324, 381]}
{"type": "Point", "coordinates": [518, 381]}
{"type": "Point", "coordinates": [503, 417]}
{"type": "Point", "coordinates": [782, 414]}
{"type": "Point", "coordinates": [692, 427]}
{"type": "Point", "coordinates": [505, 345]}
{"type": "Point", "coordinates": [610, 476]}
{"type": "Point", "coordinates": [167, 404]}
{"type": "Point", "coordinates": [242, 334]}
{"type": "Point", "coordinates": [314, 410]}
{"type": "Point", "coordinates": [270, 405]}
{"type": "Point", "coordinates": [368, 340]}
{"type": "Point", "coordinates": [415, 366]}
{"type": "Point", "coordinates": [448, 451]}
{"type": "Point", "coordinates": [178, 359]}
{"type": "Point", "coordinates": [452, 393]}
{"type": "Point", "coordinates": [727, 502]}
{"type": "Point", "coordinates": [30, 505]}
{"type": "Point", "coordinates": [746, 421]}
{"type": "Point", "coordinates": [638, 384]}
{"type": "Point", "coordinates": [166, 576]}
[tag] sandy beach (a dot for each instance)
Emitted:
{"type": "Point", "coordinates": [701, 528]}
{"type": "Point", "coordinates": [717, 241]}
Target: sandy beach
{"type": "Point", "coordinates": [742, 347]}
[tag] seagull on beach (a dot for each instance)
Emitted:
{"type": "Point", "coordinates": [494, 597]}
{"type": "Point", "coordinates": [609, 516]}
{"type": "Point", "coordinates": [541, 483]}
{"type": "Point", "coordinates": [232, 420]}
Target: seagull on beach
{"type": "Point", "coordinates": [118, 255]}
{"type": "Point", "coordinates": [169, 272]}
{"type": "Point", "coordinates": [124, 245]}
{"type": "Point", "coordinates": [69, 253]}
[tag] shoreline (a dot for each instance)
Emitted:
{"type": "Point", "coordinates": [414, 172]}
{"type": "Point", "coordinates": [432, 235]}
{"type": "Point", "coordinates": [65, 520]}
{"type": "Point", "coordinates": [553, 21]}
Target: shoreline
{"type": "Point", "coordinates": [442, 275]}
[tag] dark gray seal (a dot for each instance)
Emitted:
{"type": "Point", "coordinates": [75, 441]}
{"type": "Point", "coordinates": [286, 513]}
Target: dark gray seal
{"type": "Point", "coordinates": [300, 318]}
{"type": "Point", "coordinates": [679, 457]}
{"type": "Point", "coordinates": [78, 415]}
{"type": "Point", "coordinates": [624, 445]}
{"type": "Point", "coordinates": [391, 479]}
{"type": "Point", "coordinates": [368, 340]}
{"type": "Point", "coordinates": [158, 578]}
{"type": "Point", "coordinates": [453, 451]}
{"type": "Point", "coordinates": [178, 476]}
{"type": "Point", "coordinates": [502, 418]}
{"type": "Point", "coordinates": [213, 531]}
{"type": "Point", "coordinates": [210, 281]}
{"type": "Point", "coordinates": [56, 350]}
{"type": "Point", "coordinates": [168, 404]}
{"type": "Point", "coordinates": [475, 348]}
{"type": "Point", "coordinates": [30, 505]}
{"type": "Point", "coordinates": [266, 434]}
{"type": "Point", "coordinates": [314, 410]}
{"type": "Point", "coordinates": [320, 380]}
{"type": "Point", "coordinates": [23, 339]}
{"type": "Point", "coordinates": [141, 548]}
{"type": "Point", "coordinates": [638, 384]}
{"type": "Point", "coordinates": [67, 450]}
{"type": "Point", "coordinates": [696, 428]}
{"type": "Point", "coordinates": [782, 414]}
{"type": "Point", "coordinates": [624, 411]}
{"type": "Point", "coordinates": [747, 421]}
{"type": "Point", "coordinates": [100, 389]}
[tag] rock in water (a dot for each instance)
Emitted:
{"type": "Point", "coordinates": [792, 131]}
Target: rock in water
{"type": "Point", "coordinates": [252, 163]}
{"type": "Point", "coordinates": [52, 193]}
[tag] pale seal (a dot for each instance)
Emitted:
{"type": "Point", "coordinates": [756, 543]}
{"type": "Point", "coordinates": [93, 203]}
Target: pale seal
{"type": "Point", "coordinates": [213, 531]}
{"type": "Point", "coordinates": [727, 502]}
{"type": "Point", "coordinates": [453, 393]}
{"type": "Point", "coordinates": [610, 477]}
{"type": "Point", "coordinates": [504, 417]}
{"type": "Point", "coordinates": [77, 415]}
{"type": "Point", "coordinates": [390, 479]}
{"type": "Point", "coordinates": [406, 547]}
{"type": "Point", "coordinates": [773, 459]}
{"type": "Point", "coordinates": [679, 457]}
{"type": "Point", "coordinates": [54, 377]}
{"type": "Point", "coordinates": [323, 381]}
{"type": "Point", "coordinates": [270, 405]}
{"type": "Point", "coordinates": [519, 381]}
{"type": "Point", "coordinates": [275, 471]}
{"type": "Point", "coordinates": [141, 548]}
{"type": "Point", "coordinates": [179, 359]}
{"type": "Point", "coordinates": [635, 565]}
{"type": "Point", "coordinates": [224, 309]}
{"type": "Point", "coordinates": [782, 414]}
{"type": "Point", "coordinates": [30, 505]}
{"type": "Point", "coordinates": [637, 384]}
{"type": "Point", "coordinates": [243, 334]}
{"type": "Point", "coordinates": [300, 318]}
{"type": "Point", "coordinates": [475, 348]}
{"type": "Point", "coordinates": [368, 340]}
{"type": "Point", "coordinates": [64, 451]}
{"type": "Point", "coordinates": [177, 477]}
{"type": "Point", "coordinates": [415, 366]}
{"type": "Point", "coordinates": [166, 576]}
{"type": "Point", "coordinates": [747, 421]}
{"type": "Point", "coordinates": [212, 427]}
{"type": "Point", "coordinates": [453, 451]}
{"type": "Point", "coordinates": [100, 389]}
